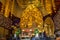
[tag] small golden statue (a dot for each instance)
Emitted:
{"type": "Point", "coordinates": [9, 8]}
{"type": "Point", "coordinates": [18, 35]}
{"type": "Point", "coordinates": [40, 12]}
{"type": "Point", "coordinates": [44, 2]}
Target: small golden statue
{"type": "Point", "coordinates": [49, 27]}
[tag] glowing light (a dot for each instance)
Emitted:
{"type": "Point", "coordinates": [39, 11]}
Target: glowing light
{"type": "Point", "coordinates": [30, 29]}
{"type": "Point", "coordinates": [23, 30]}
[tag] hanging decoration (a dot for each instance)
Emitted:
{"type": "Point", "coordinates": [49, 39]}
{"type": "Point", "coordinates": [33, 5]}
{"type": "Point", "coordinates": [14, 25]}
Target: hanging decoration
{"type": "Point", "coordinates": [53, 4]}
{"type": "Point", "coordinates": [45, 6]}
{"type": "Point", "coordinates": [12, 7]}
{"type": "Point", "coordinates": [48, 6]}
{"type": "Point", "coordinates": [7, 9]}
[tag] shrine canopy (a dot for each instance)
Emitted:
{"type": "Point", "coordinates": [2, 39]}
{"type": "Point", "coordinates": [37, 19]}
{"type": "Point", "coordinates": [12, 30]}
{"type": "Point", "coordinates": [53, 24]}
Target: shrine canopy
{"type": "Point", "coordinates": [31, 18]}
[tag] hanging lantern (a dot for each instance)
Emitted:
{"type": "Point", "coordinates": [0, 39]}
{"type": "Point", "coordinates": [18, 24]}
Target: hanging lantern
{"type": "Point", "coordinates": [7, 9]}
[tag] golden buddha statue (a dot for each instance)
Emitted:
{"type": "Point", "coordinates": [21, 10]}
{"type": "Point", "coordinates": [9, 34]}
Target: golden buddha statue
{"type": "Point", "coordinates": [31, 16]}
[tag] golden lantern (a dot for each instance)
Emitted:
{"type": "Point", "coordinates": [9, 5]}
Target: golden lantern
{"type": "Point", "coordinates": [9, 6]}
{"type": "Point", "coordinates": [48, 6]}
{"type": "Point", "coordinates": [53, 4]}
{"type": "Point", "coordinates": [7, 9]}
